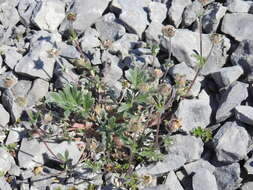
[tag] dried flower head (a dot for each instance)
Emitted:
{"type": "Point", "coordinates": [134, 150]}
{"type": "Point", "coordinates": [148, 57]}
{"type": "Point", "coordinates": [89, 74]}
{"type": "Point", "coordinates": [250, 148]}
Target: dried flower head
{"type": "Point", "coordinates": [144, 87]}
{"type": "Point", "coordinates": [164, 89]}
{"type": "Point", "coordinates": [204, 2]}
{"type": "Point", "coordinates": [107, 44]}
{"type": "Point", "coordinates": [216, 38]}
{"type": "Point", "coordinates": [158, 73]}
{"type": "Point", "coordinates": [169, 31]}
{"type": "Point", "coordinates": [21, 101]}
{"type": "Point", "coordinates": [71, 16]}
{"type": "Point", "coordinates": [175, 125]}
{"type": "Point", "coordinates": [147, 179]}
{"type": "Point", "coordinates": [8, 82]}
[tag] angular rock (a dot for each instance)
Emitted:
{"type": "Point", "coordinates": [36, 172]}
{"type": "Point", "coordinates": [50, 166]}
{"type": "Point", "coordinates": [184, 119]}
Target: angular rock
{"type": "Point", "coordinates": [239, 6]}
{"type": "Point", "coordinates": [9, 16]}
{"type": "Point", "coordinates": [194, 113]}
{"type": "Point", "coordinates": [180, 148]}
{"type": "Point", "coordinates": [15, 135]}
{"type": "Point", "coordinates": [176, 10]}
{"type": "Point", "coordinates": [194, 167]}
{"type": "Point", "coordinates": [94, 55]}
{"type": "Point", "coordinates": [25, 10]}
{"type": "Point", "coordinates": [212, 17]}
{"type": "Point", "coordinates": [238, 25]}
{"type": "Point", "coordinates": [247, 186]}
{"type": "Point", "coordinates": [243, 56]}
{"type": "Point", "coordinates": [15, 99]}
{"type": "Point", "coordinates": [184, 43]}
{"type": "Point", "coordinates": [6, 161]}
{"type": "Point", "coordinates": [38, 62]}
{"type": "Point", "coordinates": [90, 39]}
{"type": "Point", "coordinates": [87, 12]}
{"type": "Point", "coordinates": [11, 56]}
{"type": "Point", "coordinates": [190, 13]}
{"type": "Point", "coordinates": [171, 162]}
{"type": "Point", "coordinates": [109, 29]}
{"type": "Point", "coordinates": [68, 51]}
{"type": "Point", "coordinates": [244, 114]}
{"type": "Point", "coordinates": [172, 181]}
{"type": "Point", "coordinates": [49, 14]}
{"type": "Point", "coordinates": [30, 154]}
{"type": "Point", "coordinates": [231, 143]}
{"type": "Point", "coordinates": [203, 178]}
{"type": "Point", "coordinates": [249, 166]}
{"type": "Point", "coordinates": [4, 116]}
{"type": "Point", "coordinates": [230, 99]}
{"type": "Point", "coordinates": [157, 12]}
{"type": "Point", "coordinates": [227, 75]}
{"type": "Point", "coordinates": [228, 177]}
{"type": "Point", "coordinates": [153, 32]}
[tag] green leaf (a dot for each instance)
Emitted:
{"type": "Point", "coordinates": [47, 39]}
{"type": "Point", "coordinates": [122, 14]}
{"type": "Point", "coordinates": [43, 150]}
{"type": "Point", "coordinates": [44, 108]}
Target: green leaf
{"type": "Point", "coordinates": [124, 107]}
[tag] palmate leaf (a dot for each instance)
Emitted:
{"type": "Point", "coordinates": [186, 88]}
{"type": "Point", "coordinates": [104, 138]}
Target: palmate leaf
{"type": "Point", "coordinates": [136, 77]}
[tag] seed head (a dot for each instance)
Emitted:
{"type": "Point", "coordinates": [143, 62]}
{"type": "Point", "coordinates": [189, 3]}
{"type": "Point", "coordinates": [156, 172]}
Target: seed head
{"type": "Point", "coordinates": [216, 38]}
{"type": "Point", "coordinates": [169, 31]}
{"type": "Point", "coordinates": [71, 17]}
{"type": "Point", "coordinates": [203, 2]}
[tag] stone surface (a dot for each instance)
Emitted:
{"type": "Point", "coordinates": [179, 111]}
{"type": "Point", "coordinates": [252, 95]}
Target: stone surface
{"type": "Point", "coordinates": [68, 51]}
{"type": "Point", "coordinates": [109, 29]}
{"type": "Point", "coordinates": [190, 13]}
{"type": "Point", "coordinates": [4, 116]}
{"type": "Point", "coordinates": [171, 162]}
{"type": "Point", "coordinates": [11, 56]}
{"type": "Point", "coordinates": [193, 167]}
{"type": "Point", "coordinates": [230, 99]}
{"type": "Point", "coordinates": [212, 17]}
{"type": "Point", "coordinates": [239, 6]}
{"type": "Point", "coordinates": [157, 12]}
{"type": "Point", "coordinates": [176, 10]}
{"type": "Point", "coordinates": [247, 186]}
{"type": "Point", "coordinates": [8, 80]}
{"type": "Point", "coordinates": [243, 56]}
{"type": "Point", "coordinates": [9, 16]}
{"type": "Point", "coordinates": [4, 185]}
{"type": "Point", "coordinates": [180, 148]}
{"type": "Point", "coordinates": [87, 12]}
{"type": "Point", "coordinates": [49, 14]}
{"type": "Point", "coordinates": [244, 114]}
{"type": "Point", "coordinates": [204, 179]}
{"type": "Point", "coordinates": [227, 75]}
{"type": "Point", "coordinates": [25, 10]}
{"type": "Point", "coordinates": [6, 161]}
{"type": "Point", "coordinates": [228, 177]}
{"type": "Point", "coordinates": [15, 135]}
{"type": "Point", "coordinates": [172, 182]}
{"type": "Point", "coordinates": [231, 142]}
{"type": "Point", "coordinates": [153, 32]}
{"type": "Point", "coordinates": [90, 39]}
{"type": "Point", "coordinates": [238, 25]}
{"type": "Point", "coordinates": [194, 113]}
{"type": "Point", "coordinates": [249, 166]}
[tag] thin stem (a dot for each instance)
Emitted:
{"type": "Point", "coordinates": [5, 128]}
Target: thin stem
{"type": "Point", "coordinates": [157, 131]}
{"type": "Point", "coordinates": [169, 60]}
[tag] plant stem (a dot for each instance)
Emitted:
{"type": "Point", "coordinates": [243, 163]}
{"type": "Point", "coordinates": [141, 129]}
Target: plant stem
{"type": "Point", "coordinates": [169, 60]}
{"type": "Point", "coordinates": [157, 131]}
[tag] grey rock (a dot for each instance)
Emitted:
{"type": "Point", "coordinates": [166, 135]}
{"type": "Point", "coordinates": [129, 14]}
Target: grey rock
{"type": "Point", "coordinates": [30, 154]}
{"type": "Point", "coordinates": [230, 99]}
{"type": "Point", "coordinates": [247, 186]}
{"type": "Point", "coordinates": [176, 10]}
{"type": "Point", "coordinates": [4, 116]}
{"type": "Point", "coordinates": [239, 6]}
{"type": "Point", "coordinates": [238, 25]}
{"type": "Point", "coordinates": [94, 54]}
{"type": "Point", "coordinates": [190, 13]}
{"type": "Point", "coordinates": [157, 12]}
{"type": "Point", "coordinates": [180, 148]}
{"type": "Point", "coordinates": [231, 143]}
{"type": "Point", "coordinates": [15, 99]}
{"type": "Point", "coordinates": [159, 187]}
{"type": "Point", "coordinates": [153, 32]}
{"type": "Point", "coordinates": [171, 162]}
{"type": "Point", "coordinates": [41, 181]}
{"type": "Point", "coordinates": [212, 17]}
{"type": "Point", "coordinates": [15, 135]}
{"type": "Point", "coordinates": [194, 113]}
{"type": "Point", "coordinates": [244, 114]}
{"type": "Point", "coordinates": [90, 39]}
{"type": "Point", "coordinates": [9, 16]}
{"type": "Point", "coordinates": [194, 167]}
{"type": "Point", "coordinates": [118, 5]}
{"type": "Point", "coordinates": [87, 12]}
{"type": "Point", "coordinates": [11, 56]}
{"type": "Point", "coordinates": [25, 10]}
{"type": "Point", "coordinates": [227, 75]}
{"type": "Point", "coordinates": [37, 92]}
{"type": "Point", "coordinates": [14, 170]}
{"type": "Point", "coordinates": [243, 56]}
{"type": "Point", "coordinates": [68, 51]}
{"type": "Point", "coordinates": [109, 29]}
{"type": "Point", "coordinates": [249, 166]}
{"type": "Point", "coordinates": [49, 14]}
{"type": "Point", "coordinates": [124, 44]}
{"type": "Point", "coordinates": [203, 178]}
{"type": "Point", "coordinates": [228, 177]}
{"type": "Point", "coordinates": [172, 182]}
{"type": "Point", "coordinates": [4, 185]}
{"type": "Point", "coordinates": [7, 80]}
{"type": "Point", "coordinates": [184, 43]}
{"type": "Point", "coordinates": [6, 160]}
{"type": "Point", "coordinates": [38, 62]}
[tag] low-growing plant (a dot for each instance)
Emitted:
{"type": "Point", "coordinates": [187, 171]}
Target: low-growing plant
{"type": "Point", "coordinates": [204, 134]}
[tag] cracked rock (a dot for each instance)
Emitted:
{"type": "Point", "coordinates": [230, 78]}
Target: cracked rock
{"type": "Point", "coordinates": [244, 114]}
{"type": "Point", "coordinates": [203, 178]}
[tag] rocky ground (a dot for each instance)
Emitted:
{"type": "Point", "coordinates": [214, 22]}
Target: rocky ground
{"type": "Point", "coordinates": [126, 94]}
